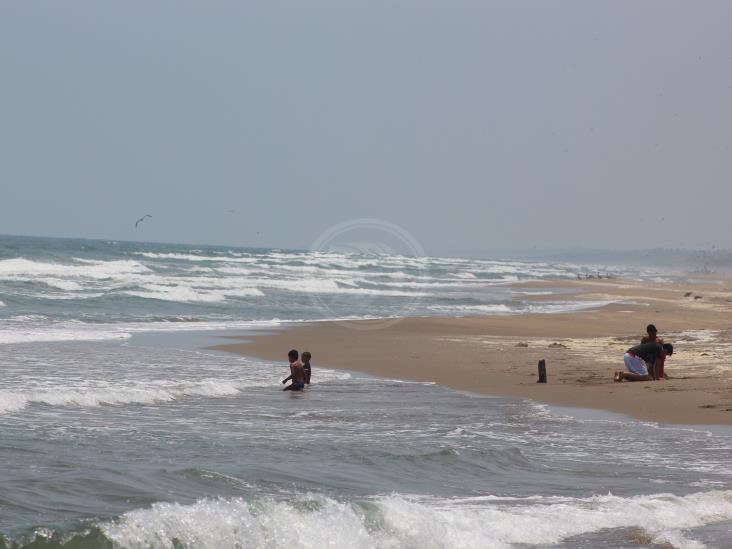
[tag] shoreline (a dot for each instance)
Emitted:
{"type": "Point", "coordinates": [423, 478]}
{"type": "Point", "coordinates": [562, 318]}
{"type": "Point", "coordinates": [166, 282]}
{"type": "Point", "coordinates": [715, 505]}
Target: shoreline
{"type": "Point", "coordinates": [498, 355]}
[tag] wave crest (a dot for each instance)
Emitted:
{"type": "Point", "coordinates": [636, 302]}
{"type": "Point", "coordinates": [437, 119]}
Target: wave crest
{"type": "Point", "coordinates": [402, 521]}
{"type": "Point", "coordinates": [111, 394]}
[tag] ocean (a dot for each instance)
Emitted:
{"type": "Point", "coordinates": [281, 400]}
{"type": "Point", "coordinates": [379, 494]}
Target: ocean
{"type": "Point", "coordinates": [119, 429]}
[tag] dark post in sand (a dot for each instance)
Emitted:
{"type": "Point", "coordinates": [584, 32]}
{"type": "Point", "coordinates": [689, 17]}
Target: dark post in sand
{"type": "Point", "coordinates": [542, 371]}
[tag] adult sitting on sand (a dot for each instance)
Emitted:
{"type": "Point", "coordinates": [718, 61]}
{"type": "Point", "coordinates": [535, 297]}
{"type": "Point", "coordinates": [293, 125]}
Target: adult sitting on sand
{"type": "Point", "coordinates": [297, 374]}
{"type": "Point", "coordinates": [652, 337]}
{"type": "Point", "coordinates": [642, 358]}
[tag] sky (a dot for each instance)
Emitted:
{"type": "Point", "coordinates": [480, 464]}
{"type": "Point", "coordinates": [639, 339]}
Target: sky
{"type": "Point", "coordinates": [471, 125]}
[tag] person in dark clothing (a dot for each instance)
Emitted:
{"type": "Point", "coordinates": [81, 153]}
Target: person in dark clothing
{"type": "Point", "coordinates": [297, 374]}
{"type": "Point", "coordinates": [652, 337]}
{"type": "Point", "coordinates": [306, 356]}
{"type": "Point", "coordinates": [641, 361]}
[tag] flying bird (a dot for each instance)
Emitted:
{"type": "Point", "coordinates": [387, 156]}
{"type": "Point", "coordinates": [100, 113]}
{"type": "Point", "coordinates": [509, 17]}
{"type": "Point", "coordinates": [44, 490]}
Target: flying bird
{"type": "Point", "coordinates": [142, 219]}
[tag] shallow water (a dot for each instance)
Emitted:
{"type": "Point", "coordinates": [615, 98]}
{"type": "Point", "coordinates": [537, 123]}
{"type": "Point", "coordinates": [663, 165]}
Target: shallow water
{"type": "Point", "coordinates": [118, 430]}
{"type": "Point", "coordinates": [151, 444]}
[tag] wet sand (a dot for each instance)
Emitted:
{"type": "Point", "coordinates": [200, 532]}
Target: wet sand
{"type": "Point", "coordinates": [499, 354]}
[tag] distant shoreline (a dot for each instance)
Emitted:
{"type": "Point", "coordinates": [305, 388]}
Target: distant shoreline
{"type": "Point", "coordinates": [499, 354]}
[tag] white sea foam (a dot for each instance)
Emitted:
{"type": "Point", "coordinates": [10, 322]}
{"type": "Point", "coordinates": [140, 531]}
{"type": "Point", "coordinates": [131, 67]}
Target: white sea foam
{"type": "Point", "coordinates": [465, 275]}
{"type": "Point", "coordinates": [97, 270]}
{"type": "Point", "coordinates": [192, 257]}
{"type": "Point", "coordinates": [61, 297]}
{"type": "Point", "coordinates": [532, 292]}
{"type": "Point", "coordinates": [323, 286]}
{"type": "Point", "coordinates": [539, 308]}
{"type": "Point", "coordinates": [61, 284]}
{"type": "Point", "coordinates": [93, 279]}
{"type": "Point", "coordinates": [89, 393]}
{"type": "Point", "coordinates": [495, 308]}
{"type": "Point", "coordinates": [81, 279]}
{"type": "Point", "coordinates": [35, 328]}
{"type": "Point", "coordinates": [566, 307]}
{"type": "Point", "coordinates": [139, 392]}
{"type": "Point", "coordinates": [420, 522]}
{"type": "Point", "coordinates": [214, 278]}
{"type": "Point", "coordinates": [11, 402]}
{"type": "Point", "coordinates": [64, 331]}
{"type": "Point", "coordinates": [186, 294]}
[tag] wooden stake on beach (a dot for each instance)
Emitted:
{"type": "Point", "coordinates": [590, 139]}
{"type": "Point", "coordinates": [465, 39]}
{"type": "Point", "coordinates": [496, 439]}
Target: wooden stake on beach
{"type": "Point", "coordinates": [542, 371]}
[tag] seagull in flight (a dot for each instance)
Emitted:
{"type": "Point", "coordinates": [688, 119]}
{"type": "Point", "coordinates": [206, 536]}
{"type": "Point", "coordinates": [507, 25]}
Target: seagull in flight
{"type": "Point", "coordinates": [142, 219]}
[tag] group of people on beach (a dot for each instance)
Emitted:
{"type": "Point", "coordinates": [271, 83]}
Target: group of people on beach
{"type": "Point", "coordinates": [645, 362]}
{"type": "Point", "coordinates": [299, 371]}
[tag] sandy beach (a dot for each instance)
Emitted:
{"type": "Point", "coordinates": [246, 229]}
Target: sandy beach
{"type": "Point", "coordinates": [499, 354]}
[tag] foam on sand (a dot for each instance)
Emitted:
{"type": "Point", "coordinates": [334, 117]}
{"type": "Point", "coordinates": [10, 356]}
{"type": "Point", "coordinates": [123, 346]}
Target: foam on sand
{"type": "Point", "coordinates": [403, 521]}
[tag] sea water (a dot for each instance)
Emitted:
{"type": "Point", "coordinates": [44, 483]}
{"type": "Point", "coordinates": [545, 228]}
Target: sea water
{"type": "Point", "coordinates": [119, 429]}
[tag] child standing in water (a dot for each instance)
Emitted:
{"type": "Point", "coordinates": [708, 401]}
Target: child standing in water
{"type": "Point", "coordinates": [306, 356]}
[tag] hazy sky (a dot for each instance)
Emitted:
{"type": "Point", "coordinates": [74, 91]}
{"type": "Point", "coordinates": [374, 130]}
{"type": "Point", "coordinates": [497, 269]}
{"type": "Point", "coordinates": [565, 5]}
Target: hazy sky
{"type": "Point", "coordinates": [475, 126]}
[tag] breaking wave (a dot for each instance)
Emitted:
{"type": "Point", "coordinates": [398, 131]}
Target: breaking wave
{"type": "Point", "coordinates": [35, 328]}
{"type": "Point", "coordinates": [411, 522]}
{"type": "Point", "coordinates": [100, 394]}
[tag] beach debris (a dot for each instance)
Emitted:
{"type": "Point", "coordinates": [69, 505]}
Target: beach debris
{"type": "Point", "coordinates": [542, 371]}
{"type": "Point", "coordinates": [522, 344]}
{"type": "Point", "coordinates": [556, 345]}
{"type": "Point", "coordinates": [687, 294]}
{"type": "Point", "coordinates": [697, 297]}
{"type": "Point", "coordinates": [142, 219]}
